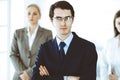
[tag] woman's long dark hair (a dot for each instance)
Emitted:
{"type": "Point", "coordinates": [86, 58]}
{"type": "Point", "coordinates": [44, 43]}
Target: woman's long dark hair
{"type": "Point", "coordinates": [116, 32]}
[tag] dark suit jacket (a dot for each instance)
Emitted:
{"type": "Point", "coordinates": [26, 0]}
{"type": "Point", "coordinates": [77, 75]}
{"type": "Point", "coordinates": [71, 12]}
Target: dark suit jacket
{"type": "Point", "coordinates": [80, 60]}
{"type": "Point", "coordinates": [20, 55]}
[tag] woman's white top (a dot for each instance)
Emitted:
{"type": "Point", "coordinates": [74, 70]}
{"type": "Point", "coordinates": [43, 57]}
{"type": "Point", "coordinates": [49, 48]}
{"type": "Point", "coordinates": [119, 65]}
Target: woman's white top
{"type": "Point", "coordinates": [31, 38]}
{"type": "Point", "coordinates": [110, 58]}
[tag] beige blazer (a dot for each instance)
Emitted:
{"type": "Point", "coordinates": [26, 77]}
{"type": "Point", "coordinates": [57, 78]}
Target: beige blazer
{"type": "Point", "coordinates": [22, 58]}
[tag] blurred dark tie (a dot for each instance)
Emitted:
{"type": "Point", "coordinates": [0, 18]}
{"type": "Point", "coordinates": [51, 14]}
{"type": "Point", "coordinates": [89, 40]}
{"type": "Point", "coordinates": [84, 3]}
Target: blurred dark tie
{"type": "Point", "coordinates": [62, 53]}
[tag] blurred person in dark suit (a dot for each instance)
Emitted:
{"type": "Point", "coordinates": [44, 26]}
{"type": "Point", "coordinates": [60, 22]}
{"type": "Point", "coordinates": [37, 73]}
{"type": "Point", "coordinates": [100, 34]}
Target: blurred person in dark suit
{"type": "Point", "coordinates": [67, 56]}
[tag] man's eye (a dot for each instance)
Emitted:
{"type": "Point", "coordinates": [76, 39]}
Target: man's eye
{"type": "Point", "coordinates": [67, 18]}
{"type": "Point", "coordinates": [58, 18]}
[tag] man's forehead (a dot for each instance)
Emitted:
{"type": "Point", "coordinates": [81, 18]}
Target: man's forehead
{"type": "Point", "coordinates": [62, 12]}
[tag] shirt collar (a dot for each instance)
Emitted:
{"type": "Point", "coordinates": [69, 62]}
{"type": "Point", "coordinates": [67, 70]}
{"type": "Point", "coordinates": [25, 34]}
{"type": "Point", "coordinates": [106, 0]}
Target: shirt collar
{"type": "Point", "coordinates": [67, 40]}
{"type": "Point", "coordinates": [34, 31]}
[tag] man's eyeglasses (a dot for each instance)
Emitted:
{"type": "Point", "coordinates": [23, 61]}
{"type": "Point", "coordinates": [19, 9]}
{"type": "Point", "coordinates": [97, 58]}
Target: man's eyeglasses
{"type": "Point", "coordinates": [60, 19]}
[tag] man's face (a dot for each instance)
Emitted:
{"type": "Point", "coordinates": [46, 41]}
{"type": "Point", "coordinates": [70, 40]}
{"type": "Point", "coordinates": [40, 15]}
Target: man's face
{"type": "Point", "coordinates": [62, 21]}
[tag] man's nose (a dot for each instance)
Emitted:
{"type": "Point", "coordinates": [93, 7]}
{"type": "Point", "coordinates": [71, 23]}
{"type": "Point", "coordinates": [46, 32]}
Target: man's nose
{"type": "Point", "coordinates": [63, 22]}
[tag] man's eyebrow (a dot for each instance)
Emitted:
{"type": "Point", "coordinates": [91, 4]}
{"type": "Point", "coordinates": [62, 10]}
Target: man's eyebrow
{"type": "Point", "coordinates": [62, 17]}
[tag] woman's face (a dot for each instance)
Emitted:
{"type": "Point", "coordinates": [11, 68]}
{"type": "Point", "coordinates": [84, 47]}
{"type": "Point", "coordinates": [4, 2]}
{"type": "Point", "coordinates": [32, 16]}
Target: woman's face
{"type": "Point", "coordinates": [33, 15]}
{"type": "Point", "coordinates": [117, 24]}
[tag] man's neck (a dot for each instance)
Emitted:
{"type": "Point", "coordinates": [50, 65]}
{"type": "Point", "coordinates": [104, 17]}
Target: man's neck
{"type": "Point", "coordinates": [63, 37]}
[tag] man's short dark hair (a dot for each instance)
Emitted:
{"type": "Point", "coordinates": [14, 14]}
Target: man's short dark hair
{"type": "Point", "coordinates": [61, 5]}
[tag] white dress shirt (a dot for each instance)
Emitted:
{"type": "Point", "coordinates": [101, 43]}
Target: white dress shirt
{"type": "Point", "coordinates": [32, 37]}
{"type": "Point", "coordinates": [110, 58]}
{"type": "Point", "coordinates": [67, 41]}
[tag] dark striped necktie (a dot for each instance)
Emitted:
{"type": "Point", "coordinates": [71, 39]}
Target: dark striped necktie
{"type": "Point", "coordinates": [62, 53]}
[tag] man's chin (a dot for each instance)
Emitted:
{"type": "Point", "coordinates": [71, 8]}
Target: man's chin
{"type": "Point", "coordinates": [64, 33]}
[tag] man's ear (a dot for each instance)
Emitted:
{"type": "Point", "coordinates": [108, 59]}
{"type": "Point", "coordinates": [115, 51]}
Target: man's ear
{"type": "Point", "coordinates": [51, 20]}
{"type": "Point", "coordinates": [73, 19]}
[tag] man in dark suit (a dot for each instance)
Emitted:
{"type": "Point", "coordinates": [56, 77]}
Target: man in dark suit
{"type": "Point", "coordinates": [76, 60]}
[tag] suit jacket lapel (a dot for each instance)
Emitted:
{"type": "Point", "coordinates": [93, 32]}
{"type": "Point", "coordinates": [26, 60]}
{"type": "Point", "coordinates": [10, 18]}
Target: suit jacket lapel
{"type": "Point", "coordinates": [37, 37]}
{"type": "Point", "coordinates": [25, 33]}
{"type": "Point", "coordinates": [72, 47]}
{"type": "Point", "coordinates": [56, 50]}
{"type": "Point", "coordinates": [39, 33]}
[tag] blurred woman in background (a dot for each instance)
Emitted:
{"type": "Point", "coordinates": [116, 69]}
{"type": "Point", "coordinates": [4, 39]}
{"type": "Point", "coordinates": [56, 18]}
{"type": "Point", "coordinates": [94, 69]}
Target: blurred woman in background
{"type": "Point", "coordinates": [26, 42]}
{"type": "Point", "coordinates": [110, 63]}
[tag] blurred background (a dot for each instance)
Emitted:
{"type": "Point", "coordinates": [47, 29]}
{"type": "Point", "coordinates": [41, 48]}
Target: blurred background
{"type": "Point", "coordinates": [93, 21]}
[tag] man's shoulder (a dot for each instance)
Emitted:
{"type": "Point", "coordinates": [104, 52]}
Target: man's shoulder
{"type": "Point", "coordinates": [86, 41]}
{"type": "Point", "coordinates": [82, 41]}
